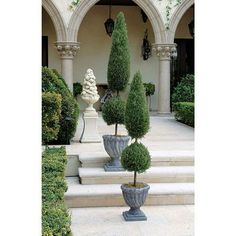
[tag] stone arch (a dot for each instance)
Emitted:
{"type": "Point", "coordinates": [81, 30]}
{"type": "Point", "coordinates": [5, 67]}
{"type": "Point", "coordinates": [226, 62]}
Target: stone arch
{"type": "Point", "coordinates": [176, 17]}
{"type": "Point", "coordinates": [147, 6]}
{"type": "Point", "coordinates": [57, 20]}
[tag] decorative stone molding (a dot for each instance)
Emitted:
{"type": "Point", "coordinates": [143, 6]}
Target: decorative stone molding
{"type": "Point", "coordinates": [67, 49]}
{"type": "Point", "coordinates": [164, 51]}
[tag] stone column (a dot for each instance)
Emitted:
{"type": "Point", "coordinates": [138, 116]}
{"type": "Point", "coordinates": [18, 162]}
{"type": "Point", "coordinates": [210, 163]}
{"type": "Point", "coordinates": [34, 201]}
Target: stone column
{"type": "Point", "coordinates": [164, 52]}
{"type": "Point", "coordinates": [67, 52]}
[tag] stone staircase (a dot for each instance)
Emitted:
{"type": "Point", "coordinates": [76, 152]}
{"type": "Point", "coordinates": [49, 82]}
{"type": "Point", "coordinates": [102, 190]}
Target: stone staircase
{"type": "Point", "coordinates": [170, 178]}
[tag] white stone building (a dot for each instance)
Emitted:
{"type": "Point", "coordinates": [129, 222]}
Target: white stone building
{"type": "Point", "coordinates": [75, 39]}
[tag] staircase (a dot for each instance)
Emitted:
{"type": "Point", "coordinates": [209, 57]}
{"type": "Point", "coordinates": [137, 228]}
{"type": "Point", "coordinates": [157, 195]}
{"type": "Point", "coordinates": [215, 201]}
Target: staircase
{"type": "Point", "coordinates": [170, 178]}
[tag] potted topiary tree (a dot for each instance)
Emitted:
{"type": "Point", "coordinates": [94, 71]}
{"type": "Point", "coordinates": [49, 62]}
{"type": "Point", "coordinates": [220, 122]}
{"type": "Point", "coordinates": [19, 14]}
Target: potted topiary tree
{"type": "Point", "coordinates": [113, 111]}
{"type": "Point", "coordinates": [136, 157]}
{"type": "Point", "coordinates": [149, 90]}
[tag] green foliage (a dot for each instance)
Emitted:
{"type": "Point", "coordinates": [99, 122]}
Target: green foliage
{"type": "Point", "coordinates": [184, 91]}
{"type": "Point", "coordinates": [51, 111]}
{"type": "Point", "coordinates": [55, 220]}
{"type": "Point", "coordinates": [149, 89]}
{"type": "Point", "coordinates": [77, 89]}
{"type": "Point", "coordinates": [184, 112]}
{"type": "Point", "coordinates": [55, 217]}
{"type": "Point", "coordinates": [119, 61]}
{"type": "Point", "coordinates": [136, 114]}
{"type": "Point", "coordinates": [53, 82]}
{"type": "Point", "coordinates": [113, 111]}
{"type": "Point", "coordinates": [136, 158]}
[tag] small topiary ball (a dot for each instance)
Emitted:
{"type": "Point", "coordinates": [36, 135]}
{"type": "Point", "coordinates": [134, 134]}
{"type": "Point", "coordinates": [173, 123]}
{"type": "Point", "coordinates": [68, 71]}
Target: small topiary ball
{"type": "Point", "coordinates": [113, 111]}
{"type": "Point", "coordinates": [136, 158]}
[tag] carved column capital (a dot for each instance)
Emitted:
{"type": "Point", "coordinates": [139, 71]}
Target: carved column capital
{"type": "Point", "coordinates": [67, 49]}
{"type": "Point", "coordinates": [164, 51]}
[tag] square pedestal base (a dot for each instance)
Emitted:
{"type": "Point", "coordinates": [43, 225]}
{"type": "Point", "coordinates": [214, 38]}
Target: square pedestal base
{"type": "Point", "coordinates": [109, 167]}
{"type": "Point", "coordinates": [137, 217]}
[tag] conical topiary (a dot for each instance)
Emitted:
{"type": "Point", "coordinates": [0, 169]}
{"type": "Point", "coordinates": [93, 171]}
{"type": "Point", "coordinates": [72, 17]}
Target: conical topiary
{"type": "Point", "coordinates": [136, 156]}
{"type": "Point", "coordinates": [137, 115]}
{"type": "Point", "coordinates": [119, 61]}
{"type": "Point", "coordinates": [118, 73]}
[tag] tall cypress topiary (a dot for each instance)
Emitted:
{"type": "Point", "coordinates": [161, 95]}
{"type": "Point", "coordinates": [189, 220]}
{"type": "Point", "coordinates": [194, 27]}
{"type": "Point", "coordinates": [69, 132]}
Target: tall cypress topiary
{"type": "Point", "coordinates": [136, 156]}
{"type": "Point", "coordinates": [119, 61]}
{"type": "Point", "coordinates": [118, 73]}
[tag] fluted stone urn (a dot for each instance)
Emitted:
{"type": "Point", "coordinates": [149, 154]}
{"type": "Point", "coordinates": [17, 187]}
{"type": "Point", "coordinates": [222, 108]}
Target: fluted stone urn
{"type": "Point", "coordinates": [114, 145]}
{"type": "Point", "coordinates": [134, 198]}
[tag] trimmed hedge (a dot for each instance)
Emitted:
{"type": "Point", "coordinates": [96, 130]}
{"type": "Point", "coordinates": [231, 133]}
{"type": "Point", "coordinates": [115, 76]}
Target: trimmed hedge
{"type": "Point", "coordinates": [53, 82]}
{"type": "Point", "coordinates": [55, 216]}
{"type": "Point", "coordinates": [51, 111]}
{"type": "Point", "coordinates": [184, 112]}
{"type": "Point", "coordinates": [184, 91]}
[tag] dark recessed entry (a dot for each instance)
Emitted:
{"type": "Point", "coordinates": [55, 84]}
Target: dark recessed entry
{"type": "Point", "coordinates": [117, 3]}
{"type": "Point", "coordinates": [44, 50]}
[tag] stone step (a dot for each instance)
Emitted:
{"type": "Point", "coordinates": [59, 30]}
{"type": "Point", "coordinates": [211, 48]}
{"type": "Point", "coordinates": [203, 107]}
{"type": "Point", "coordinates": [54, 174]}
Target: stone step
{"type": "Point", "coordinates": [103, 195]}
{"type": "Point", "coordinates": [159, 158]}
{"type": "Point", "coordinates": [163, 174]}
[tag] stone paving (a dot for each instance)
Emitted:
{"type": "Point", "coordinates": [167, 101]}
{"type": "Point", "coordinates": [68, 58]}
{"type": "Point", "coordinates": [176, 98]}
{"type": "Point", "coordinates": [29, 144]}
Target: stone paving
{"type": "Point", "coordinates": [108, 221]}
{"type": "Point", "coordinates": [169, 220]}
{"type": "Point", "coordinates": [165, 134]}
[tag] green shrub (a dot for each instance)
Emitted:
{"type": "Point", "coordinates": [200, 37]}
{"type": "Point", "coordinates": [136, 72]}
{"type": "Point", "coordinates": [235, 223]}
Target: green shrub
{"type": "Point", "coordinates": [77, 89]}
{"type": "Point", "coordinates": [51, 111]}
{"type": "Point", "coordinates": [56, 220]}
{"type": "Point", "coordinates": [149, 89]}
{"type": "Point", "coordinates": [53, 188]}
{"type": "Point", "coordinates": [137, 115]}
{"type": "Point", "coordinates": [136, 158]}
{"type": "Point", "coordinates": [113, 111]}
{"type": "Point", "coordinates": [55, 217]}
{"type": "Point", "coordinates": [184, 91]}
{"type": "Point", "coordinates": [184, 112]}
{"type": "Point", "coordinates": [53, 82]}
{"type": "Point", "coordinates": [119, 61]}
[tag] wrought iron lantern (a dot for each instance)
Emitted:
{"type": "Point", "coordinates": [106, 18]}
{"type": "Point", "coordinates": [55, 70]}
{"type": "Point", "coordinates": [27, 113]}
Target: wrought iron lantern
{"type": "Point", "coordinates": [109, 24]}
{"type": "Point", "coordinates": [146, 47]}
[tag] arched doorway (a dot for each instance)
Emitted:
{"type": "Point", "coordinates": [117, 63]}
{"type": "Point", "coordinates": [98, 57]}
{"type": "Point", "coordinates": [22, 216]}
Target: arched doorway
{"type": "Point", "coordinates": [182, 25]}
{"type": "Point", "coordinates": [49, 37]}
{"type": "Point", "coordinates": [95, 44]}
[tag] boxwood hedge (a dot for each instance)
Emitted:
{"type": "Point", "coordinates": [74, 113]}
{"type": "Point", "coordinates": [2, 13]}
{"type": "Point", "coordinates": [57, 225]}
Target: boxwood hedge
{"type": "Point", "coordinates": [184, 112]}
{"type": "Point", "coordinates": [55, 216]}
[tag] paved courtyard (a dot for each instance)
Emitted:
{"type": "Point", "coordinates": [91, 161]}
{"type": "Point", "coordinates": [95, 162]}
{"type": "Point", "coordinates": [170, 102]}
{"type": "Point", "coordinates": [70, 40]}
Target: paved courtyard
{"type": "Point", "coordinates": [165, 134]}
{"type": "Point", "coordinates": [108, 221]}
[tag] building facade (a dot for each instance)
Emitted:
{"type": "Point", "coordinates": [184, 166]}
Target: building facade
{"type": "Point", "coordinates": [75, 40]}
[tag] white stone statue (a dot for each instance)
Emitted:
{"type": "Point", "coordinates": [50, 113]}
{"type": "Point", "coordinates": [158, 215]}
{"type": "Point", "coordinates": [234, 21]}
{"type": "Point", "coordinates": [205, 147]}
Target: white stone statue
{"type": "Point", "coordinates": [90, 93]}
{"type": "Point", "coordinates": [90, 116]}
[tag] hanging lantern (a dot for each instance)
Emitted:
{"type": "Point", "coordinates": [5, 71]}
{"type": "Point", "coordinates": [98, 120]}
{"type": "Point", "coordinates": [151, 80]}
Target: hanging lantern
{"type": "Point", "coordinates": [146, 47]}
{"type": "Point", "coordinates": [109, 24]}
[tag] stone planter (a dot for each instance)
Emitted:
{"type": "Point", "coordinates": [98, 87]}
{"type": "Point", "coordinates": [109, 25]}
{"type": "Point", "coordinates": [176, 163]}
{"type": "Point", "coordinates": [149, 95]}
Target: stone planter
{"type": "Point", "coordinates": [134, 198]}
{"type": "Point", "coordinates": [114, 145]}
